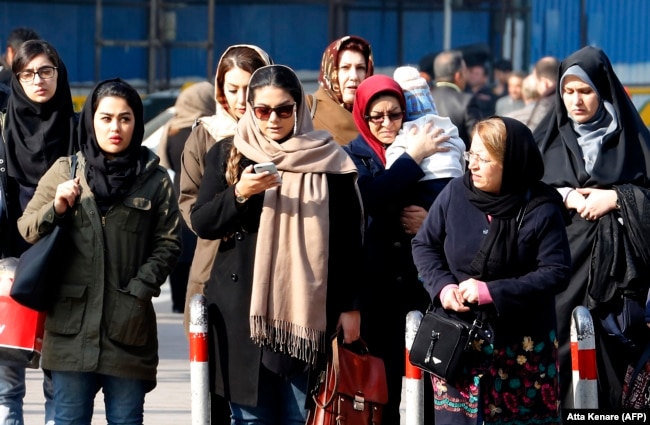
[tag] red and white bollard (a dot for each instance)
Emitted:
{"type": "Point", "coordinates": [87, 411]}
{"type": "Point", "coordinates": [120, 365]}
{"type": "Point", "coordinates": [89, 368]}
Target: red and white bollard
{"type": "Point", "coordinates": [583, 360]}
{"type": "Point", "coordinates": [199, 375]}
{"type": "Point", "coordinates": [412, 403]}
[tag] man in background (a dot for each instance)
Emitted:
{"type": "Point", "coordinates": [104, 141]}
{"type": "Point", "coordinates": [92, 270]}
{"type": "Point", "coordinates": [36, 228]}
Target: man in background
{"type": "Point", "coordinates": [545, 70]}
{"type": "Point", "coordinates": [449, 93]}
{"type": "Point", "coordinates": [16, 37]}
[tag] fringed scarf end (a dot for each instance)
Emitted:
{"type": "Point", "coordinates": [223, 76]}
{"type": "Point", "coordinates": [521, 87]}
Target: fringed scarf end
{"type": "Point", "coordinates": [298, 341]}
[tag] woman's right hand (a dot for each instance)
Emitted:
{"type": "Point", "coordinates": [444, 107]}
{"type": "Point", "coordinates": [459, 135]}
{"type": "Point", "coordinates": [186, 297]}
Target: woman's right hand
{"type": "Point", "coordinates": [250, 183]}
{"type": "Point", "coordinates": [425, 142]}
{"type": "Point", "coordinates": [66, 194]}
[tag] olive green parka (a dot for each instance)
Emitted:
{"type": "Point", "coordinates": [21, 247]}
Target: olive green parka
{"type": "Point", "coordinates": [103, 319]}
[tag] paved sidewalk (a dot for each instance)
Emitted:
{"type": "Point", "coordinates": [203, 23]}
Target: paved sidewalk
{"type": "Point", "coordinates": [168, 404]}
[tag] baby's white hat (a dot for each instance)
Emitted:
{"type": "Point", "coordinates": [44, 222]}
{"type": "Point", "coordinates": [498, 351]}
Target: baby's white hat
{"type": "Point", "coordinates": [419, 101]}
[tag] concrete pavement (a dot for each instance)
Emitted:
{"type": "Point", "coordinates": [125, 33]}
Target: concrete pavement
{"type": "Point", "coordinates": [168, 404]}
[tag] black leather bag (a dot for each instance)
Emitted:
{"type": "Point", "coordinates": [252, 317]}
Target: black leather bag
{"type": "Point", "coordinates": [442, 341]}
{"type": "Point", "coordinates": [36, 267]}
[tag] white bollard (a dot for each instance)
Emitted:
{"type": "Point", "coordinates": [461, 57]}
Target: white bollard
{"type": "Point", "coordinates": [583, 360]}
{"type": "Point", "coordinates": [199, 375]}
{"type": "Point", "coordinates": [412, 403]}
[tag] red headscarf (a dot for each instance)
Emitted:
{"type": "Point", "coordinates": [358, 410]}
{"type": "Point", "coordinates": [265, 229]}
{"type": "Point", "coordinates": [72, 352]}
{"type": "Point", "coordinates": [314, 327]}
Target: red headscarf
{"type": "Point", "coordinates": [368, 90]}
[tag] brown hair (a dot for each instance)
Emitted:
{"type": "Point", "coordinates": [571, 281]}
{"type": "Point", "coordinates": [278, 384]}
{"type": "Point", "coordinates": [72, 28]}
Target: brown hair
{"type": "Point", "coordinates": [355, 45]}
{"type": "Point", "coordinates": [29, 50]}
{"type": "Point", "coordinates": [492, 132]}
{"type": "Point", "coordinates": [242, 57]}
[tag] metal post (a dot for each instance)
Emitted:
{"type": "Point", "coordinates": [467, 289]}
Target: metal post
{"type": "Point", "coordinates": [446, 40]}
{"type": "Point", "coordinates": [583, 360]}
{"type": "Point", "coordinates": [412, 403]}
{"type": "Point", "coordinates": [199, 376]}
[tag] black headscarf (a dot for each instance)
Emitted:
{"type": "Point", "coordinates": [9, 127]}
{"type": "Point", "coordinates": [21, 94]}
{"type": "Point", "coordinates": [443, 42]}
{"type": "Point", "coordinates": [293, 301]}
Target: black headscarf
{"type": "Point", "coordinates": [37, 134]}
{"type": "Point", "coordinates": [624, 156]}
{"type": "Point", "coordinates": [110, 179]}
{"type": "Point", "coordinates": [521, 191]}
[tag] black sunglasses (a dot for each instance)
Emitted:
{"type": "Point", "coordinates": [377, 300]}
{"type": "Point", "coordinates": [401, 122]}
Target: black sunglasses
{"type": "Point", "coordinates": [378, 119]}
{"type": "Point", "coordinates": [264, 112]}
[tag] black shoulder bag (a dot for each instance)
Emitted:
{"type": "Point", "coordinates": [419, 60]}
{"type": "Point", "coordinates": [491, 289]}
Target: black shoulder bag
{"type": "Point", "coordinates": [442, 340]}
{"type": "Point", "coordinates": [36, 267]}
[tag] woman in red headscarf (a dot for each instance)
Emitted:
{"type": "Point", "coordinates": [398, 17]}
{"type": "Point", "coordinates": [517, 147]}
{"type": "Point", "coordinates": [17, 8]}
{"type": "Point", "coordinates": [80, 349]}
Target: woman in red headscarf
{"type": "Point", "coordinates": [393, 286]}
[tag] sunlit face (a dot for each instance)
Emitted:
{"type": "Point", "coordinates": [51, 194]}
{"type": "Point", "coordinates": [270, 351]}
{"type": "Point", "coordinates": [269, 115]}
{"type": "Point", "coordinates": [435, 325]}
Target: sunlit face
{"type": "Point", "coordinates": [487, 173]}
{"type": "Point", "coordinates": [114, 123]}
{"type": "Point", "coordinates": [460, 78]}
{"type": "Point", "coordinates": [580, 100]}
{"type": "Point", "coordinates": [275, 127]}
{"type": "Point", "coordinates": [515, 83]}
{"type": "Point", "coordinates": [40, 90]}
{"type": "Point", "coordinates": [351, 72]}
{"type": "Point", "coordinates": [235, 84]}
{"type": "Point", "coordinates": [387, 107]}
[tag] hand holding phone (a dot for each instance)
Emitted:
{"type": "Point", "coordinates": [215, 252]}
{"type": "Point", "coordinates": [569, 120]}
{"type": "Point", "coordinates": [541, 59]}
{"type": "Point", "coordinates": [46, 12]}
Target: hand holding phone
{"type": "Point", "coordinates": [267, 166]}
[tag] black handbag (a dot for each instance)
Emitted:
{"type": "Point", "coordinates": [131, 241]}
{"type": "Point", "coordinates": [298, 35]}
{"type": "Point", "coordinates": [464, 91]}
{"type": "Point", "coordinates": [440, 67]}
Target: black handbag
{"type": "Point", "coordinates": [35, 270]}
{"type": "Point", "coordinates": [442, 341]}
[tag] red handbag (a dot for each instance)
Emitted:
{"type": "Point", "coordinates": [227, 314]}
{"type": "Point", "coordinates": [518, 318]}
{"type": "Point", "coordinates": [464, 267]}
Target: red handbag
{"type": "Point", "coordinates": [352, 390]}
{"type": "Point", "coordinates": [21, 328]}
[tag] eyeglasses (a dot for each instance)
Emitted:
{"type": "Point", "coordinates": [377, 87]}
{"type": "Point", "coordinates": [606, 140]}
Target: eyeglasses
{"type": "Point", "coordinates": [378, 119]}
{"type": "Point", "coordinates": [44, 72]}
{"type": "Point", "coordinates": [264, 112]}
{"type": "Point", "coordinates": [469, 155]}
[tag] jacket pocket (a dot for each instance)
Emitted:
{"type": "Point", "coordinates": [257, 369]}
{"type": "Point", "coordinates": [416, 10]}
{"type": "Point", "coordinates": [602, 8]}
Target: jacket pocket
{"type": "Point", "coordinates": [66, 317]}
{"type": "Point", "coordinates": [128, 319]}
{"type": "Point", "coordinates": [138, 210]}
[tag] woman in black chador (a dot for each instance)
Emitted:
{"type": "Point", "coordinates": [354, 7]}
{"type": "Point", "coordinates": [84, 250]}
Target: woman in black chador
{"type": "Point", "coordinates": [597, 154]}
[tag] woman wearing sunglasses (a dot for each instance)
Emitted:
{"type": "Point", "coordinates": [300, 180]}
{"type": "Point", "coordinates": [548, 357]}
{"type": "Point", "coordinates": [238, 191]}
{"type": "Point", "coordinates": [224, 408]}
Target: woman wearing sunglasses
{"type": "Point", "coordinates": [378, 112]}
{"type": "Point", "coordinates": [284, 278]}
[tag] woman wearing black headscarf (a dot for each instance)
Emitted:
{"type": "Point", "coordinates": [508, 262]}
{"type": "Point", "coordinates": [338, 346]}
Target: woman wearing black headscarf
{"type": "Point", "coordinates": [123, 241]}
{"type": "Point", "coordinates": [38, 129]}
{"type": "Point", "coordinates": [40, 122]}
{"type": "Point", "coordinates": [495, 240]}
{"type": "Point", "coordinates": [597, 155]}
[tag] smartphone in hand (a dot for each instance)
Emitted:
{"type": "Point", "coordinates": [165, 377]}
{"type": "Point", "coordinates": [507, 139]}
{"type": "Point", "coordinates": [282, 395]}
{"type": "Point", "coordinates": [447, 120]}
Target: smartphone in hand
{"type": "Point", "coordinates": [265, 166]}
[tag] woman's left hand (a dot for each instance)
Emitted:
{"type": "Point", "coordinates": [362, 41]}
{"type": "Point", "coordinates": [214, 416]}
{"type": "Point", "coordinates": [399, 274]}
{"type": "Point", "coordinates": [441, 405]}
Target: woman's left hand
{"type": "Point", "coordinates": [469, 290]}
{"type": "Point", "coordinates": [412, 218]}
{"type": "Point", "coordinates": [598, 202]}
{"type": "Point", "coordinates": [350, 322]}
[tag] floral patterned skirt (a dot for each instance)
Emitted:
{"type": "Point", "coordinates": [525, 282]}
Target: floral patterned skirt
{"type": "Point", "coordinates": [512, 384]}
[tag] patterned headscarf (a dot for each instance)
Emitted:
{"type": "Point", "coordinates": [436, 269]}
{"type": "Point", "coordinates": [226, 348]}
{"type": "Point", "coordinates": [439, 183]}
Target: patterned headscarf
{"type": "Point", "coordinates": [328, 78]}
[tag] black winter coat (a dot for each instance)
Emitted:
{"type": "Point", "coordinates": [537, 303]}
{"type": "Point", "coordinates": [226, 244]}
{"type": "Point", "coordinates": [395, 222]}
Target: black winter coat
{"type": "Point", "coordinates": [234, 359]}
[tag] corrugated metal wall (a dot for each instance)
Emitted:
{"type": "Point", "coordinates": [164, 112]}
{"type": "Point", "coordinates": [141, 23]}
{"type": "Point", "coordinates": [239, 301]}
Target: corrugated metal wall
{"type": "Point", "coordinates": [619, 27]}
{"type": "Point", "coordinates": [297, 34]}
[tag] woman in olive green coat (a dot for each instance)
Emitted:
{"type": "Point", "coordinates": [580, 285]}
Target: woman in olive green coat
{"type": "Point", "coordinates": [124, 241]}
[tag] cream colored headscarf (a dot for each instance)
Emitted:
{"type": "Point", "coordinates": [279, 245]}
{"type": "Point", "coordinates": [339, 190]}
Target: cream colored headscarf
{"type": "Point", "coordinates": [289, 291]}
{"type": "Point", "coordinates": [224, 122]}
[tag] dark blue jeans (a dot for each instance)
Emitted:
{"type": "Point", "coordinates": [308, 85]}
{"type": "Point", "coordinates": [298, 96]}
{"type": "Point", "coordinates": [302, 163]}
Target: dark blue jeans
{"type": "Point", "coordinates": [280, 402]}
{"type": "Point", "coordinates": [74, 395]}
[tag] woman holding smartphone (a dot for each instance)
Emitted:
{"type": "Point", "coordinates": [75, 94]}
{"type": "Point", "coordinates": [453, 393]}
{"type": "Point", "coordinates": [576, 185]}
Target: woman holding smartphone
{"type": "Point", "coordinates": [284, 277]}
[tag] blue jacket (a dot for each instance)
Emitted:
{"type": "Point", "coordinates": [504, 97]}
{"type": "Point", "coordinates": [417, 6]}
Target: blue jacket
{"type": "Point", "coordinates": [451, 236]}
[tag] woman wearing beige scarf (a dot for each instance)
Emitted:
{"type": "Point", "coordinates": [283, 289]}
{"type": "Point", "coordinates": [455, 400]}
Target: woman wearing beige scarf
{"type": "Point", "coordinates": [285, 276]}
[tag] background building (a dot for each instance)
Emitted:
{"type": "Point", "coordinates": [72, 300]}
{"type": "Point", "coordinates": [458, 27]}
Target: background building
{"type": "Point", "coordinates": [161, 44]}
